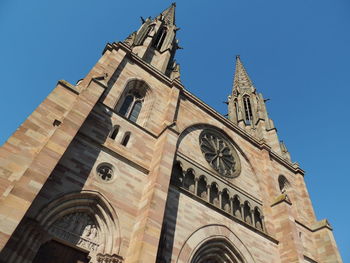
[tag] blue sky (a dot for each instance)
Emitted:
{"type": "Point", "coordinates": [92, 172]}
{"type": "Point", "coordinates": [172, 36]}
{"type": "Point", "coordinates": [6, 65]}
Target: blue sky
{"type": "Point", "coordinates": [296, 52]}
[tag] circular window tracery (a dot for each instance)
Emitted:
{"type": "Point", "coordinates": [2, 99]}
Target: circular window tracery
{"type": "Point", "coordinates": [219, 153]}
{"type": "Point", "coordinates": [105, 172]}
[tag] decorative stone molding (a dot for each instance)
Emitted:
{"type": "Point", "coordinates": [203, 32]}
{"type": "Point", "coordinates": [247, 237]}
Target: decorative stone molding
{"type": "Point", "coordinates": [84, 219]}
{"type": "Point", "coordinates": [281, 198]}
{"type": "Point", "coordinates": [210, 233]}
{"type": "Point", "coordinates": [78, 229]}
{"type": "Point", "coordinates": [106, 258]}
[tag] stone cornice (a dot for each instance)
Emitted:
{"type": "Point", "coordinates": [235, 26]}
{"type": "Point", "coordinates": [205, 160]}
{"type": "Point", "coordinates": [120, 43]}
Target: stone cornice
{"type": "Point", "coordinates": [69, 86]}
{"type": "Point", "coordinates": [316, 226]}
{"type": "Point", "coordinates": [281, 198]}
{"type": "Point", "coordinates": [146, 66]}
{"type": "Point", "coordinates": [176, 83]}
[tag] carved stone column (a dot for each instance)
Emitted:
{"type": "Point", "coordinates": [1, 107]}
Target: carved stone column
{"type": "Point", "coordinates": [208, 193]}
{"type": "Point", "coordinates": [196, 186]}
{"type": "Point", "coordinates": [106, 258]}
{"type": "Point", "coordinates": [253, 221]}
{"type": "Point", "coordinates": [231, 207]}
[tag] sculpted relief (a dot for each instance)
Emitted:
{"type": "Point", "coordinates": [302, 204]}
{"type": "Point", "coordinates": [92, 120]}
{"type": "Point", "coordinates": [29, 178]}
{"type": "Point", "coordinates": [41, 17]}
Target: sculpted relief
{"type": "Point", "coordinates": [78, 229]}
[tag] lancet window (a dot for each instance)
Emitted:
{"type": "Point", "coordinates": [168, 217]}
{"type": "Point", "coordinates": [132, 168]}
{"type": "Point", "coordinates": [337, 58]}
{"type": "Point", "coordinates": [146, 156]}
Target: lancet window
{"type": "Point", "coordinates": [283, 184]}
{"type": "Point", "coordinates": [247, 110]}
{"type": "Point", "coordinates": [159, 40]}
{"type": "Point", "coordinates": [133, 101]}
{"type": "Point", "coordinates": [131, 106]}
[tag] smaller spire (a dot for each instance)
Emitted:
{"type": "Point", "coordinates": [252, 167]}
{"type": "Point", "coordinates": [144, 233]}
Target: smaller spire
{"type": "Point", "coordinates": [241, 78]}
{"type": "Point", "coordinates": [168, 15]}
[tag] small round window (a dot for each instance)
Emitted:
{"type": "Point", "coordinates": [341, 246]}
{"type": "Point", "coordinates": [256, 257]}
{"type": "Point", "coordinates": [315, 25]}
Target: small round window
{"type": "Point", "coordinates": [219, 153]}
{"type": "Point", "coordinates": [105, 172]}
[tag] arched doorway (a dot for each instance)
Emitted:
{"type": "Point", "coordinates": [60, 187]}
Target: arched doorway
{"type": "Point", "coordinates": [214, 244]}
{"type": "Point", "coordinates": [56, 252]}
{"type": "Point", "coordinates": [78, 227]}
{"type": "Point", "coordinates": [216, 250]}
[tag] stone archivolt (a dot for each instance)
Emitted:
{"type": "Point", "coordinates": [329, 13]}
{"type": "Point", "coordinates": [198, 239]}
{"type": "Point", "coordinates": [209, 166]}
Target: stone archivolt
{"type": "Point", "coordinates": [219, 245]}
{"type": "Point", "coordinates": [77, 228]}
{"type": "Point", "coordinates": [83, 219]}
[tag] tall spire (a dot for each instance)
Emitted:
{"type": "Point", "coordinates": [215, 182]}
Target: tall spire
{"type": "Point", "coordinates": [155, 42]}
{"type": "Point", "coordinates": [241, 79]}
{"type": "Point", "coordinates": [247, 109]}
{"type": "Point", "coordinates": [168, 15]}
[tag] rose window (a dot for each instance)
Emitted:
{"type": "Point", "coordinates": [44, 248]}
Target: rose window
{"type": "Point", "coordinates": [219, 153]}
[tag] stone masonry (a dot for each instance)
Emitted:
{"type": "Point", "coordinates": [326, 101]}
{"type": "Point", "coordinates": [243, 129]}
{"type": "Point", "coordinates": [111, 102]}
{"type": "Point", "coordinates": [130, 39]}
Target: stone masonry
{"type": "Point", "coordinates": [129, 166]}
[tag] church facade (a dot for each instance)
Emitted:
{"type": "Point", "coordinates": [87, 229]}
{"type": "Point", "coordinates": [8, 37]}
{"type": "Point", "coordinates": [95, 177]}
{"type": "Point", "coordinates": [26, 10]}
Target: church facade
{"type": "Point", "coordinates": [129, 166]}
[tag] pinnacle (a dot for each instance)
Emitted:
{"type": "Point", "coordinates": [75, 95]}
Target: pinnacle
{"type": "Point", "coordinates": [241, 78]}
{"type": "Point", "coordinates": [169, 14]}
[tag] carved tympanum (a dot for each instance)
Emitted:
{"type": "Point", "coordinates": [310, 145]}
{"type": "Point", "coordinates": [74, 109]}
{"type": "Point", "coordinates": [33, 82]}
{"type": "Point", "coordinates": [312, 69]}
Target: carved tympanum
{"type": "Point", "coordinates": [219, 153]}
{"type": "Point", "coordinates": [78, 229]}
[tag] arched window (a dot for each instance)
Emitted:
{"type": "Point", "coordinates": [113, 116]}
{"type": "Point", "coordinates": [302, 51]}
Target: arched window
{"type": "Point", "coordinates": [247, 110]}
{"type": "Point", "coordinates": [225, 201]}
{"type": "Point", "coordinates": [132, 101]}
{"type": "Point", "coordinates": [189, 181]}
{"type": "Point", "coordinates": [131, 106]}
{"type": "Point", "coordinates": [124, 109]}
{"type": "Point", "coordinates": [214, 195]}
{"type": "Point", "coordinates": [235, 103]}
{"type": "Point", "coordinates": [114, 132]}
{"type": "Point", "coordinates": [202, 188]}
{"type": "Point", "coordinates": [159, 40]}
{"type": "Point", "coordinates": [217, 250]}
{"type": "Point", "coordinates": [247, 213]}
{"type": "Point", "coordinates": [177, 174]}
{"type": "Point", "coordinates": [283, 184]}
{"type": "Point", "coordinates": [258, 219]}
{"type": "Point", "coordinates": [236, 207]}
{"type": "Point", "coordinates": [143, 34]}
{"type": "Point", "coordinates": [126, 139]}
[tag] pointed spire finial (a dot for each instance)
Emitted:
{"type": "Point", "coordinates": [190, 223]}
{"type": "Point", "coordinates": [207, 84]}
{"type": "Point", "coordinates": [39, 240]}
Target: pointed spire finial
{"type": "Point", "coordinates": [241, 78]}
{"type": "Point", "coordinates": [168, 14]}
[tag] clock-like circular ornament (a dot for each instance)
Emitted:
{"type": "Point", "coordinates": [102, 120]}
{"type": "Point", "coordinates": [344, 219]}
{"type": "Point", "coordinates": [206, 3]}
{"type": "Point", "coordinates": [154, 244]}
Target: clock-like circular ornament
{"type": "Point", "coordinates": [219, 153]}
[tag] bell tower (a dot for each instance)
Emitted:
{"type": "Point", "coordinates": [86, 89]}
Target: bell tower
{"type": "Point", "coordinates": [155, 42]}
{"type": "Point", "coordinates": [247, 109]}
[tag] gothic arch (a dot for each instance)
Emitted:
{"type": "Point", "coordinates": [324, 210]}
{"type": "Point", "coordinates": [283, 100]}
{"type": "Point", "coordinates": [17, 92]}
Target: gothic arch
{"type": "Point", "coordinates": [283, 183]}
{"type": "Point", "coordinates": [144, 89]}
{"type": "Point", "coordinates": [216, 250]}
{"type": "Point", "coordinates": [217, 238]}
{"type": "Point", "coordinates": [84, 220]}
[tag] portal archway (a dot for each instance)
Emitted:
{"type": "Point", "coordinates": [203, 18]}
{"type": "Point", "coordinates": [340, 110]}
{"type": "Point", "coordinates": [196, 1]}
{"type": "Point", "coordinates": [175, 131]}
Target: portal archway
{"type": "Point", "coordinates": [214, 243]}
{"type": "Point", "coordinates": [75, 222]}
{"type": "Point", "coordinates": [216, 250]}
